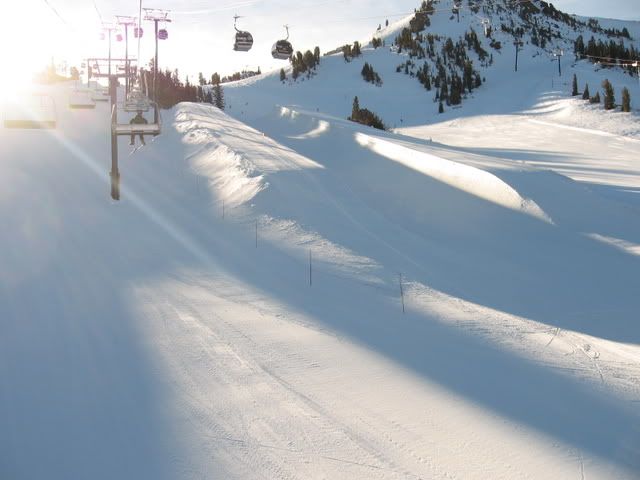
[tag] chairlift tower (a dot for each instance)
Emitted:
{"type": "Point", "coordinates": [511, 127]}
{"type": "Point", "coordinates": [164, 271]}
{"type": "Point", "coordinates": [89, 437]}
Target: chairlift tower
{"type": "Point", "coordinates": [486, 24]}
{"type": "Point", "coordinates": [518, 44]}
{"type": "Point", "coordinates": [109, 28]}
{"type": "Point", "coordinates": [558, 53]}
{"type": "Point", "coordinates": [126, 22]}
{"type": "Point", "coordinates": [457, 5]}
{"type": "Point", "coordinates": [156, 16]}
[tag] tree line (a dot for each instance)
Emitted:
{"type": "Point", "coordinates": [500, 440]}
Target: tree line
{"type": "Point", "coordinates": [609, 102]}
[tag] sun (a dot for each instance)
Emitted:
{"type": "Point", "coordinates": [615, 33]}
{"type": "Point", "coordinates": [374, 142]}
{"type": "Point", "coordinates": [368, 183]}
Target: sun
{"type": "Point", "coordinates": [30, 43]}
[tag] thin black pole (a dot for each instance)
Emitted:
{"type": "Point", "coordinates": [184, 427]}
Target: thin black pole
{"type": "Point", "coordinates": [401, 291]}
{"type": "Point", "coordinates": [126, 58]}
{"type": "Point", "coordinates": [115, 173]}
{"type": "Point", "coordinates": [109, 54]}
{"type": "Point", "coordinates": [155, 75]}
{"type": "Point", "coordinates": [559, 67]}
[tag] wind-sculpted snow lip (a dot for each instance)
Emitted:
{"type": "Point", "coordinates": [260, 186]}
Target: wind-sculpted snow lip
{"type": "Point", "coordinates": [466, 178]}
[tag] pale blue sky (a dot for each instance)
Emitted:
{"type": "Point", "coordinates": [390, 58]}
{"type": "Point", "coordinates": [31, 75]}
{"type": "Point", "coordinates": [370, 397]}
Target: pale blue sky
{"type": "Point", "coordinates": [201, 36]}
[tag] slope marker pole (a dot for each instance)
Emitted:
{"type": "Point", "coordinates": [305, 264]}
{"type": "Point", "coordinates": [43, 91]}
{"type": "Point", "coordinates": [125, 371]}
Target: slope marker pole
{"type": "Point", "coordinates": [401, 291]}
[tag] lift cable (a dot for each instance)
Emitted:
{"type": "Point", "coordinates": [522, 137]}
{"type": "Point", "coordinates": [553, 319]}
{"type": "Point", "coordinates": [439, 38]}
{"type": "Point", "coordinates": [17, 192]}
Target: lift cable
{"type": "Point", "coordinates": [53, 9]}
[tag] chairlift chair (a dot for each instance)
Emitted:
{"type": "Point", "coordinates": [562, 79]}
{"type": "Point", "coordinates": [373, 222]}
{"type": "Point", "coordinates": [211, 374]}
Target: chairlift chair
{"type": "Point", "coordinates": [119, 129]}
{"type": "Point", "coordinates": [37, 112]}
{"type": "Point", "coordinates": [81, 99]}
{"type": "Point", "coordinates": [244, 40]}
{"type": "Point", "coordinates": [282, 49]}
{"type": "Point", "coordinates": [100, 94]}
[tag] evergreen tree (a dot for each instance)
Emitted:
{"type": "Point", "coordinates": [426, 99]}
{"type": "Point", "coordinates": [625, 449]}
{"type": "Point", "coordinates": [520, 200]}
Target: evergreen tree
{"type": "Point", "coordinates": [346, 53]}
{"type": "Point", "coordinates": [215, 79]}
{"type": "Point", "coordinates": [626, 100]}
{"type": "Point", "coordinates": [355, 109]}
{"type": "Point", "coordinates": [595, 98]}
{"type": "Point", "coordinates": [218, 96]}
{"type": "Point", "coordinates": [574, 89]}
{"type": "Point", "coordinates": [586, 95]}
{"type": "Point", "coordinates": [609, 97]}
{"type": "Point", "coordinates": [440, 107]}
{"type": "Point", "coordinates": [201, 80]}
{"type": "Point", "coordinates": [468, 76]}
{"type": "Point", "coordinates": [283, 75]}
{"type": "Point", "coordinates": [316, 54]}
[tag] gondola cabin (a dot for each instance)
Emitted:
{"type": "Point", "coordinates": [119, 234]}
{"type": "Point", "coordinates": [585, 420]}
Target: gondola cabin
{"type": "Point", "coordinates": [243, 41]}
{"type": "Point", "coordinates": [282, 50]}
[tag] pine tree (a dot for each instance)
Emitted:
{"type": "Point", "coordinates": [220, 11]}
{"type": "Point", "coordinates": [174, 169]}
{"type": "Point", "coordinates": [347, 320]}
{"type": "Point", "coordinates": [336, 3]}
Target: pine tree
{"type": "Point", "coordinates": [609, 97]}
{"type": "Point", "coordinates": [218, 96]}
{"type": "Point", "coordinates": [316, 54]}
{"type": "Point", "coordinates": [283, 75]}
{"type": "Point", "coordinates": [215, 79]}
{"type": "Point", "coordinates": [201, 80]}
{"type": "Point", "coordinates": [355, 110]}
{"type": "Point", "coordinates": [574, 90]}
{"type": "Point", "coordinates": [626, 100]}
{"type": "Point", "coordinates": [356, 49]}
{"type": "Point", "coordinates": [586, 95]}
{"type": "Point", "coordinates": [346, 53]}
{"type": "Point", "coordinates": [440, 107]}
{"type": "Point", "coordinates": [595, 98]}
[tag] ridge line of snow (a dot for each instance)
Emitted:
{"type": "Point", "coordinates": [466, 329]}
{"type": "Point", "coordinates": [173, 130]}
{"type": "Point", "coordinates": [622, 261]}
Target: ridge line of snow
{"type": "Point", "coordinates": [584, 130]}
{"type": "Point", "coordinates": [474, 181]}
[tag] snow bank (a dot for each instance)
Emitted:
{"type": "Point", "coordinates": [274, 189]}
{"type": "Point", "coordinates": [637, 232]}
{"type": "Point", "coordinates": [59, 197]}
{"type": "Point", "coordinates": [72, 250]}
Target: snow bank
{"type": "Point", "coordinates": [468, 179]}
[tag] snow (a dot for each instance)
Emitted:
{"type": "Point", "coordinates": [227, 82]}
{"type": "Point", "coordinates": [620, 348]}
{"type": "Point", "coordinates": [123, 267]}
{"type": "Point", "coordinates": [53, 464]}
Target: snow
{"type": "Point", "coordinates": [238, 314]}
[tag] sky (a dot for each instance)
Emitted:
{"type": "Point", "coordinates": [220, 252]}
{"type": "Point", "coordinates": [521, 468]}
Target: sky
{"type": "Point", "coordinates": [201, 32]}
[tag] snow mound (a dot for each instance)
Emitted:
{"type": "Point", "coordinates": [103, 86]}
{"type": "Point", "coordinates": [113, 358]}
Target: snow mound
{"type": "Point", "coordinates": [301, 125]}
{"type": "Point", "coordinates": [469, 179]}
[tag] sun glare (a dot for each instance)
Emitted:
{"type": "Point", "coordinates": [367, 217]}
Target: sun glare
{"type": "Point", "coordinates": [30, 43]}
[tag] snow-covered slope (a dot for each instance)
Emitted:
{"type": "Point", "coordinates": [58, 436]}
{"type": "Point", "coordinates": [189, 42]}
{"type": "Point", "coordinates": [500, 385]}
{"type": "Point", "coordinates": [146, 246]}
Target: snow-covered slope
{"type": "Point", "coordinates": [401, 101]}
{"type": "Point", "coordinates": [283, 294]}
{"type": "Point", "coordinates": [180, 333]}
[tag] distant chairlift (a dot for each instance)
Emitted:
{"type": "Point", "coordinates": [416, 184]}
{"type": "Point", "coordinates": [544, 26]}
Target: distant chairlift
{"type": "Point", "coordinates": [136, 101]}
{"type": "Point", "coordinates": [35, 112]}
{"type": "Point", "coordinates": [244, 40]}
{"type": "Point", "coordinates": [81, 99]}
{"type": "Point", "coordinates": [282, 49]}
{"type": "Point", "coordinates": [100, 94]}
